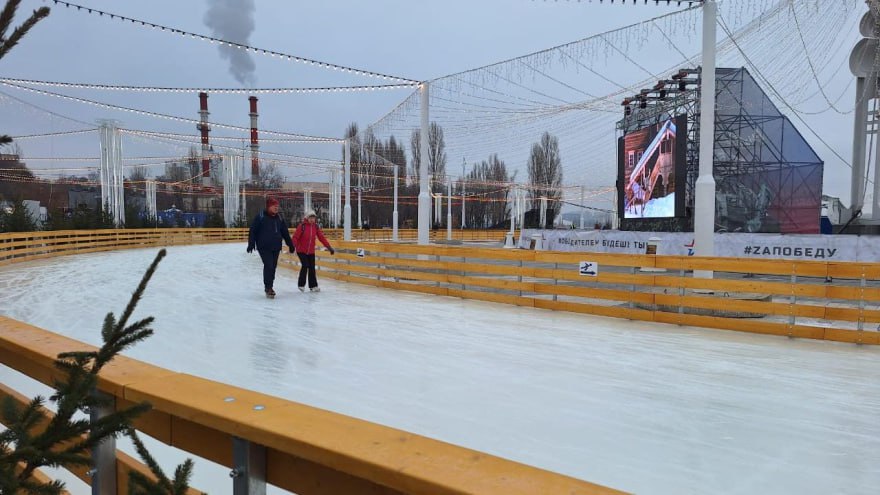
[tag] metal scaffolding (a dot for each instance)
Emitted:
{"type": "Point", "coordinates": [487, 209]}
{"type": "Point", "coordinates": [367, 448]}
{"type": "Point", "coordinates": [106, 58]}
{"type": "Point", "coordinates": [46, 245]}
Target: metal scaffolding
{"type": "Point", "coordinates": [768, 177]}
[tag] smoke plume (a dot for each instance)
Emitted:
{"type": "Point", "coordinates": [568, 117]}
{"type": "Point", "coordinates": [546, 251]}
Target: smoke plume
{"type": "Point", "coordinates": [233, 20]}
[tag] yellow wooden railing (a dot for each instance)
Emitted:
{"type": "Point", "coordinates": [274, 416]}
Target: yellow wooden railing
{"type": "Point", "coordinates": [811, 299]}
{"type": "Point", "coordinates": [817, 300]}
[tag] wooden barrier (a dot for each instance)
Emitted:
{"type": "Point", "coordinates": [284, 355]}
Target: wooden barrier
{"type": "Point", "coordinates": [795, 298]}
{"type": "Point", "coordinates": [309, 451]}
{"type": "Point", "coordinates": [808, 299]}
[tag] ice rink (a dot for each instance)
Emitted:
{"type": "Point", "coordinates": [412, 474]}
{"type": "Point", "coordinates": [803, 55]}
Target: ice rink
{"type": "Point", "coordinates": [641, 407]}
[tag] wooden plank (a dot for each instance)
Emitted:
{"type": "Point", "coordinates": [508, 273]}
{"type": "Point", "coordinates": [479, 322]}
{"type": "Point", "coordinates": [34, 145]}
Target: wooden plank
{"type": "Point", "coordinates": [871, 271]}
{"type": "Point", "coordinates": [852, 314]}
{"type": "Point", "coordinates": [852, 336]}
{"type": "Point", "coordinates": [854, 293]}
{"type": "Point", "coordinates": [492, 297]}
{"type": "Point", "coordinates": [594, 309]}
{"type": "Point", "coordinates": [740, 265]}
{"type": "Point", "coordinates": [738, 305]}
{"type": "Point", "coordinates": [749, 285]}
{"type": "Point", "coordinates": [595, 293]}
{"type": "Point", "coordinates": [426, 289]}
{"type": "Point", "coordinates": [310, 478]}
{"type": "Point", "coordinates": [747, 325]}
{"type": "Point", "coordinates": [492, 283]}
{"type": "Point", "coordinates": [603, 277]}
{"type": "Point", "coordinates": [628, 260]}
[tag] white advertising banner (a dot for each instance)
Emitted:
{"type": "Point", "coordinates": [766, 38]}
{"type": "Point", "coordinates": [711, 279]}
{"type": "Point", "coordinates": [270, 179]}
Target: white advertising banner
{"type": "Point", "coordinates": [761, 246]}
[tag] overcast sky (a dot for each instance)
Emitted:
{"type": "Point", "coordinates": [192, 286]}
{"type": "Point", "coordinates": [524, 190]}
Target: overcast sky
{"type": "Point", "coordinates": [413, 39]}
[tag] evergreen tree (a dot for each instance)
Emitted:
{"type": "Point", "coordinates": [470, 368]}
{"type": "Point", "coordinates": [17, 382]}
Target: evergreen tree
{"type": "Point", "coordinates": [7, 42]}
{"type": "Point", "coordinates": [19, 220]}
{"type": "Point", "coordinates": [132, 217]}
{"type": "Point", "coordinates": [35, 438]}
{"type": "Point", "coordinates": [215, 220]}
{"type": "Point", "coordinates": [104, 219]}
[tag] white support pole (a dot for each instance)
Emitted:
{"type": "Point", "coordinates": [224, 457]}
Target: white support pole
{"type": "Point", "coordinates": [463, 177]}
{"type": "Point", "coordinates": [509, 241]}
{"type": "Point", "coordinates": [111, 172]}
{"type": "Point", "coordinates": [704, 204]}
{"type": "Point", "coordinates": [331, 199]}
{"type": "Point", "coordinates": [360, 188]}
{"type": "Point", "coordinates": [448, 208]}
{"type": "Point", "coordinates": [857, 185]}
{"type": "Point", "coordinates": [243, 213]}
{"type": "Point", "coordinates": [512, 195]}
{"type": "Point", "coordinates": [582, 208]}
{"type": "Point", "coordinates": [543, 213]}
{"type": "Point", "coordinates": [151, 199]}
{"type": "Point", "coordinates": [394, 216]}
{"type": "Point", "coordinates": [346, 221]}
{"type": "Point", "coordinates": [521, 208]}
{"type": "Point", "coordinates": [360, 207]}
{"type": "Point", "coordinates": [119, 188]}
{"type": "Point", "coordinates": [337, 200]}
{"type": "Point", "coordinates": [424, 184]}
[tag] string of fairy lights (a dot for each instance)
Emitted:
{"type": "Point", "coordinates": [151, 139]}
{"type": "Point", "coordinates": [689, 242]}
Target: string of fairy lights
{"type": "Point", "coordinates": [500, 107]}
{"type": "Point", "coordinates": [240, 46]}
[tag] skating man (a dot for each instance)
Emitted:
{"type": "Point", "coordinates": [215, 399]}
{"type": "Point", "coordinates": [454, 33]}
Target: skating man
{"type": "Point", "coordinates": [267, 231]}
{"type": "Point", "coordinates": [305, 239]}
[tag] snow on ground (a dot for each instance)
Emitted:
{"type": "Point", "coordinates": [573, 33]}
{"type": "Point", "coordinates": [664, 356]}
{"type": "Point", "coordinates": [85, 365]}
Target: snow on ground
{"type": "Point", "coordinates": [642, 407]}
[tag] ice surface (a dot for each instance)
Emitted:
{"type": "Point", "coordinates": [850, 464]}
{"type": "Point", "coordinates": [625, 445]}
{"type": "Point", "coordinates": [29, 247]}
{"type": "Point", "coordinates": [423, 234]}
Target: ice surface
{"type": "Point", "coordinates": [642, 407]}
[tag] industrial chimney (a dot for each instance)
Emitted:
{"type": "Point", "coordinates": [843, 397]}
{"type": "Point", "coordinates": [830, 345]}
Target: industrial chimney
{"type": "Point", "coordinates": [255, 140]}
{"type": "Point", "coordinates": [204, 129]}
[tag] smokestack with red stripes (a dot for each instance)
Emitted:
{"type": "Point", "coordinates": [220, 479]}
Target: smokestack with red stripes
{"type": "Point", "coordinates": [204, 129]}
{"type": "Point", "coordinates": [255, 140]}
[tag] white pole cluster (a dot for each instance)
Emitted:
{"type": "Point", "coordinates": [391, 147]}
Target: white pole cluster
{"type": "Point", "coordinates": [332, 203]}
{"type": "Point", "coordinates": [512, 198]}
{"type": "Point", "coordinates": [543, 216]}
{"type": "Point", "coordinates": [394, 216]}
{"type": "Point", "coordinates": [232, 196]}
{"type": "Point", "coordinates": [448, 209]}
{"type": "Point", "coordinates": [152, 210]}
{"type": "Point", "coordinates": [111, 173]}
{"type": "Point", "coordinates": [346, 234]}
{"type": "Point", "coordinates": [438, 207]}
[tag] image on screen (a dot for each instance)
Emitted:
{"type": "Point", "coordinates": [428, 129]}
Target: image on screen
{"type": "Point", "coordinates": [651, 159]}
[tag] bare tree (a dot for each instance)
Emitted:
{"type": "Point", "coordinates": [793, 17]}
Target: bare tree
{"type": "Point", "coordinates": [545, 173]}
{"type": "Point", "coordinates": [487, 184]}
{"type": "Point", "coordinates": [138, 174]}
{"type": "Point", "coordinates": [268, 178]}
{"type": "Point", "coordinates": [437, 149]}
{"type": "Point", "coordinates": [8, 42]}
{"type": "Point", "coordinates": [354, 143]}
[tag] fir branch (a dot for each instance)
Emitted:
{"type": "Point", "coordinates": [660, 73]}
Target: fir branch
{"type": "Point", "coordinates": [20, 31]}
{"type": "Point", "coordinates": [35, 438]}
{"type": "Point", "coordinates": [6, 17]}
{"type": "Point", "coordinates": [142, 485]}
